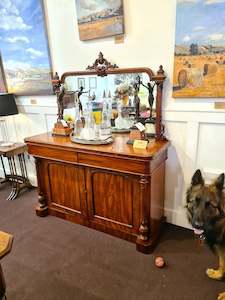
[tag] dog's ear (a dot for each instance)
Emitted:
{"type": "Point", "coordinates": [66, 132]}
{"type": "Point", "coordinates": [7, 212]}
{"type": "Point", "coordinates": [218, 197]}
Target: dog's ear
{"type": "Point", "coordinates": [219, 182]}
{"type": "Point", "coordinates": [197, 178]}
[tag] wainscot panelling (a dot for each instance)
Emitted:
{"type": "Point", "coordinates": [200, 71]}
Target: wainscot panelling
{"type": "Point", "coordinates": [31, 120]}
{"type": "Point", "coordinates": [177, 132]}
{"type": "Point", "coordinates": [211, 147]}
{"type": "Point", "coordinates": [197, 141]}
{"type": "Point", "coordinates": [50, 120]}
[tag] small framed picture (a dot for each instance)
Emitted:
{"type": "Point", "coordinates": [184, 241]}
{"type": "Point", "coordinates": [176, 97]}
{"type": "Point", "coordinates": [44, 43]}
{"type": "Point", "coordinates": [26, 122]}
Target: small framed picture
{"type": "Point", "coordinates": [80, 82]}
{"type": "Point", "coordinates": [92, 82]}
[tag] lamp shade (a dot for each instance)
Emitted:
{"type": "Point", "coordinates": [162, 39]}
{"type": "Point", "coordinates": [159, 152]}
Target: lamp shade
{"type": "Point", "coordinates": [7, 105]}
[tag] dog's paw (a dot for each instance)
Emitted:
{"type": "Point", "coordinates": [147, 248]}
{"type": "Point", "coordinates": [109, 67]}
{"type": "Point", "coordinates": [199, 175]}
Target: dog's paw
{"type": "Point", "coordinates": [215, 274]}
{"type": "Point", "coordinates": [221, 296]}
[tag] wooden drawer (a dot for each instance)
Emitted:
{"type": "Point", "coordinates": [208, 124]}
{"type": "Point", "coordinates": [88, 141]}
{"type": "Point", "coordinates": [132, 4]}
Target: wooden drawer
{"type": "Point", "coordinates": [63, 155]}
{"type": "Point", "coordinates": [117, 164]}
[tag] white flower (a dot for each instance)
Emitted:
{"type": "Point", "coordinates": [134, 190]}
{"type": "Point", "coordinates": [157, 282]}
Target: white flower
{"type": "Point", "coordinates": [124, 89]}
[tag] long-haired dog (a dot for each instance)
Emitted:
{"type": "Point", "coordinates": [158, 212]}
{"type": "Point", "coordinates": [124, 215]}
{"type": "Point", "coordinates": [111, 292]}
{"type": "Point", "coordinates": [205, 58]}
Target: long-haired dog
{"type": "Point", "coordinates": [206, 213]}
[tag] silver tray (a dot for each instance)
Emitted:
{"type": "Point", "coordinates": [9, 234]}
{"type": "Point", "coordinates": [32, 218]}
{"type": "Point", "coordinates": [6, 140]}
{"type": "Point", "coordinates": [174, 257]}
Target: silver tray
{"type": "Point", "coordinates": [91, 142]}
{"type": "Point", "coordinates": [115, 130]}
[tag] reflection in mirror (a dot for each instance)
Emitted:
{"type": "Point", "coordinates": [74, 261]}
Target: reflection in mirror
{"type": "Point", "coordinates": [117, 88]}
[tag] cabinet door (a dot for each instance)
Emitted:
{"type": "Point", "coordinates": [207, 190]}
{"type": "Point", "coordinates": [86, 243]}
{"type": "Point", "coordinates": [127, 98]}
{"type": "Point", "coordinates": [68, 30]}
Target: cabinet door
{"type": "Point", "coordinates": [113, 200]}
{"type": "Point", "coordinates": [66, 188]}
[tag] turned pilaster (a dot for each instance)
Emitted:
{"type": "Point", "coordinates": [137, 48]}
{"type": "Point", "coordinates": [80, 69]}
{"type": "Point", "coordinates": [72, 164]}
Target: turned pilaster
{"type": "Point", "coordinates": [143, 238]}
{"type": "Point", "coordinates": [41, 208]}
{"type": "Point", "coordinates": [159, 82]}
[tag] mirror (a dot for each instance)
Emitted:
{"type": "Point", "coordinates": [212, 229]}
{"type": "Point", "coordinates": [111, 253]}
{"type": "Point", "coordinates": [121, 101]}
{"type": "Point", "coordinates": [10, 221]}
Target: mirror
{"type": "Point", "coordinates": [124, 96]}
{"type": "Point", "coordinates": [97, 89]}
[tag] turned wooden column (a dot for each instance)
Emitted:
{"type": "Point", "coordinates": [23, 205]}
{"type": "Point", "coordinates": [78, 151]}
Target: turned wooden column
{"type": "Point", "coordinates": [159, 81]}
{"type": "Point", "coordinates": [41, 208]}
{"type": "Point", "coordinates": [143, 239]}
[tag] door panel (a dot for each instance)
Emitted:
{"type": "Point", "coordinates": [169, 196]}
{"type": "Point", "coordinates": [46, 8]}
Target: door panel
{"type": "Point", "coordinates": [113, 199]}
{"type": "Point", "coordinates": [66, 184]}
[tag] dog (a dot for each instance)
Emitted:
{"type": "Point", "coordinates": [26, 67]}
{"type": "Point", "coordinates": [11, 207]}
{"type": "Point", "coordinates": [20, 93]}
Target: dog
{"type": "Point", "coordinates": [205, 204]}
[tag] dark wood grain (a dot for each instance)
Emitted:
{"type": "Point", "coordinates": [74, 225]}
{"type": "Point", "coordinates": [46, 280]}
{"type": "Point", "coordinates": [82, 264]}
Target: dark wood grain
{"type": "Point", "coordinates": [112, 188]}
{"type": "Point", "coordinates": [68, 192]}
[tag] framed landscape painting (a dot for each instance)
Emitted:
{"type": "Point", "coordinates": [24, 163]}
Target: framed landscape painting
{"type": "Point", "coordinates": [3, 86]}
{"type": "Point", "coordinates": [99, 18]}
{"type": "Point", "coordinates": [24, 48]}
{"type": "Point", "coordinates": [199, 61]}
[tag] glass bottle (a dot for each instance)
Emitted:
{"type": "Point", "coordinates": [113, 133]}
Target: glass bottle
{"type": "Point", "coordinates": [105, 129]}
{"type": "Point", "coordinates": [119, 121]}
{"type": "Point", "coordinates": [88, 132]}
{"type": "Point", "coordinates": [78, 122]}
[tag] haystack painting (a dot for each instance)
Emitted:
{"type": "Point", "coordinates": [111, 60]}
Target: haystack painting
{"type": "Point", "coordinates": [199, 63]}
{"type": "Point", "coordinates": [99, 18]}
{"type": "Point", "coordinates": [24, 47]}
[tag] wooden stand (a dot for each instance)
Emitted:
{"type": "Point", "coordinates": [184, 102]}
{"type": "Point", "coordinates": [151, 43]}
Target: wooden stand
{"type": "Point", "coordinates": [18, 177]}
{"type": "Point", "coordinates": [135, 134]}
{"type": "Point", "coordinates": [59, 129]}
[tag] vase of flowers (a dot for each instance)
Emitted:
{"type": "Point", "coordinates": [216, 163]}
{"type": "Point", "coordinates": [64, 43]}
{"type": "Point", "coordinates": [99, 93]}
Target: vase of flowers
{"type": "Point", "coordinates": [123, 91]}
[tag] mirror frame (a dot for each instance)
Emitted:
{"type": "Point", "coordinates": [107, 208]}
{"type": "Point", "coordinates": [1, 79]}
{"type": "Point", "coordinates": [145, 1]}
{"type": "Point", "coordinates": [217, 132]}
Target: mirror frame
{"type": "Point", "coordinates": [107, 69]}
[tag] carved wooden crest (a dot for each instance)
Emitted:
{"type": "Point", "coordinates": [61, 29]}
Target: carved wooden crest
{"type": "Point", "coordinates": [101, 65]}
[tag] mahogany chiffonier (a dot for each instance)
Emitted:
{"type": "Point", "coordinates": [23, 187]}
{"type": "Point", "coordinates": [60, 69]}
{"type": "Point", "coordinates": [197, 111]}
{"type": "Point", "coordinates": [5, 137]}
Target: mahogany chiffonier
{"type": "Point", "coordinates": [112, 188]}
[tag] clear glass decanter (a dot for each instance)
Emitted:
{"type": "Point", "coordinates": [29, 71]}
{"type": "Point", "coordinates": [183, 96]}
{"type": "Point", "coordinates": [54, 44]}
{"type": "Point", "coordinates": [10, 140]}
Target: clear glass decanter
{"type": "Point", "coordinates": [105, 129]}
{"type": "Point", "coordinates": [120, 122]}
{"type": "Point", "coordinates": [78, 125]}
{"type": "Point", "coordinates": [88, 132]}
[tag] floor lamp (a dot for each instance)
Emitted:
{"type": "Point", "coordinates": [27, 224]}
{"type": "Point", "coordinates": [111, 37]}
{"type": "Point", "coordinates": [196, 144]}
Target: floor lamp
{"type": "Point", "coordinates": [7, 107]}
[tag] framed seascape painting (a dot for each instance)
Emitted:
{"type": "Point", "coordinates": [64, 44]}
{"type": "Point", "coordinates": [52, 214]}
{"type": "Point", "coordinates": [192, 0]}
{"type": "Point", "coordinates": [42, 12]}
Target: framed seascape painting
{"type": "Point", "coordinates": [199, 60]}
{"type": "Point", "coordinates": [99, 18]}
{"type": "Point", "coordinates": [24, 47]}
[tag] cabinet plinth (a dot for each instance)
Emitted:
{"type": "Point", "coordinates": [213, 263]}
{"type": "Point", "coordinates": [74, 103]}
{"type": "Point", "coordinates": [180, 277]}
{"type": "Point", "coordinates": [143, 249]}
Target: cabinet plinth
{"type": "Point", "coordinates": [112, 188]}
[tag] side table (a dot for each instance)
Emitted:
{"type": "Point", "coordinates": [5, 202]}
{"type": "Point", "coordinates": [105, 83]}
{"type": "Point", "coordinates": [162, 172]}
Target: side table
{"type": "Point", "coordinates": [18, 172]}
{"type": "Point", "coordinates": [6, 240]}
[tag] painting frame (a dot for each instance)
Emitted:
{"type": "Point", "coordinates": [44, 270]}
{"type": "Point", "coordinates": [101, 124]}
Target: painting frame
{"type": "Point", "coordinates": [199, 56]}
{"type": "Point", "coordinates": [81, 82]}
{"type": "Point", "coordinates": [3, 83]}
{"type": "Point", "coordinates": [102, 19]}
{"type": "Point", "coordinates": [92, 82]}
{"type": "Point", "coordinates": [43, 86]}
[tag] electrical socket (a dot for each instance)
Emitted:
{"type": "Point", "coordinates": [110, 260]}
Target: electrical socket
{"type": "Point", "coordinates": [119, 39]}
{"type": "Point", "coordinates": [33, 101]}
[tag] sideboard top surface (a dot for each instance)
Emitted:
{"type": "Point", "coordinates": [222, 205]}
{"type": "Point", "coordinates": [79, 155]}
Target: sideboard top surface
{"type": "Point", "coordinates": [119, 147]}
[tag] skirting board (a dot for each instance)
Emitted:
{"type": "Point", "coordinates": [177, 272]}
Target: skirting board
{"type": "Point", "coordinates": [177, 217]}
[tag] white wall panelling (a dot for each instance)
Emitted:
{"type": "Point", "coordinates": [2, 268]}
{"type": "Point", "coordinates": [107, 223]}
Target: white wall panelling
{"type": "Point", "coordinates": [211, 146]}
{"type": "Point", "coordinates": [197, 141]}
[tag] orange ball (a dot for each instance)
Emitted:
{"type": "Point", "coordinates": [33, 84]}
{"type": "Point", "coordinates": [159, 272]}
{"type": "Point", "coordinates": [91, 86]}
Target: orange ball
{"type": "Point", "coordinates": [159, 262]}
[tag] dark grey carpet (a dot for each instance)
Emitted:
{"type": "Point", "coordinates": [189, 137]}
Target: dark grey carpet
{"type": "Point", "coordinates": [54, 259]}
